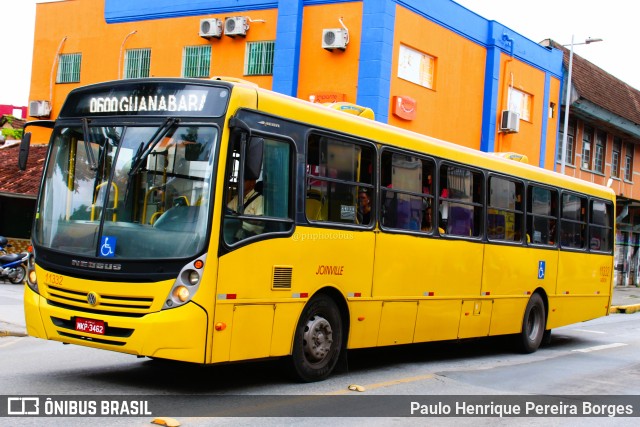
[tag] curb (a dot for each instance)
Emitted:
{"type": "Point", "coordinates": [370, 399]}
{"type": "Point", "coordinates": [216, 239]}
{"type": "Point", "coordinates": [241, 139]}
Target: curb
{"type": "Point", "coordinates": [12, 334]}
{"type": "Point", "coordinates": [624, 309]}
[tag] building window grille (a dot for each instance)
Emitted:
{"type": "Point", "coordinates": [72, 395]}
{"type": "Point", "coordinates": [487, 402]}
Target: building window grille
{"type": "Point", "coordinates": [615, 157]}
{"type": "Point", "coordinates": [601, 144]}
{"type": "Point", "coordinates": [69, 68]}
{"type": "Point", "coordinates": [137, 63]}
{"type": "Point", "coordinates": [196, 61]}
{"type": "Point", "coordinates": [628, 163]}
{"type": "Point", "coordinates": [259, 58]}
{"type": "Point", "coordinates": [570, 156]}
{"type": "Point", "coordinates": [587, 139]}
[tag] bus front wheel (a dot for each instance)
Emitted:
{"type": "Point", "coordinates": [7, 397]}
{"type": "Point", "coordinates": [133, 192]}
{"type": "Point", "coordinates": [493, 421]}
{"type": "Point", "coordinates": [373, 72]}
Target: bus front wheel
{"type": "Point", "coordinates": [318, 340]}
{"type": "Point", "coordinates": [533, 325]}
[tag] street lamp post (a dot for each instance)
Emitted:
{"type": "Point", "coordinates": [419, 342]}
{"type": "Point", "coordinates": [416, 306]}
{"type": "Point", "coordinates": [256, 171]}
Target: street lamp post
{"type": "Point", "coordinates": [567, 102]}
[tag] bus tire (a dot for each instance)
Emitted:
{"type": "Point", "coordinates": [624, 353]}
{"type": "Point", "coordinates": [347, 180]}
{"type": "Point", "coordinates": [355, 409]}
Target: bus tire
{"type": "Point", "coordinates": [317, 343]}
{"type": "Point", "coordinates": [533, 325]}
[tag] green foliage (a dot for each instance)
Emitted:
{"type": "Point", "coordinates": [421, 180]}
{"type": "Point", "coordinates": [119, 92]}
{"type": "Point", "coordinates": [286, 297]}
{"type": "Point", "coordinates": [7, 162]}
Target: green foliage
{"type": "Point", "coordinates": [12, 133]}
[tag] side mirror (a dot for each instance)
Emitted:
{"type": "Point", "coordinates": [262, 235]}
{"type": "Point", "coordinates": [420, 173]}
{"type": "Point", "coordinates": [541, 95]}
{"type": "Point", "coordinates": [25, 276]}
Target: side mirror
{"type": "Point", "coordinates": [253, 160]}
{"type": "Point", "coordinates": [23, 154]}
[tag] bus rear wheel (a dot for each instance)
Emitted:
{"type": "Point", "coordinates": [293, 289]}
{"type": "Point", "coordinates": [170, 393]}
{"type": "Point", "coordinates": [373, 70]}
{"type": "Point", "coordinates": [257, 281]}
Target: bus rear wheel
{"type": "Point", "coordinates": [533, 325]}
{"type": "Point", "coordinates": [318, 340]}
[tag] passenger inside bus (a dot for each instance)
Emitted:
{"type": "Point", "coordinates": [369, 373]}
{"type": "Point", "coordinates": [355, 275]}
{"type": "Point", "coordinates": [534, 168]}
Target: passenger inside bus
{"type": "Point", "coordinates": [253, 205]}
{"type": "Point", "coordinates": [364, 207]}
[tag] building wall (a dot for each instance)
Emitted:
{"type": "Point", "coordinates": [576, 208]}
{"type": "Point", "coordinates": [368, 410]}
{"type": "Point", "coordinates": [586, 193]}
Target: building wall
{"type": "Point", "coordinates": [452, 110]}
{"type": "Point", "coordinates": [620, 185]}
{"type": "Point", "coordinates": [476, 59]}
{"type": "Point", "coordinates": [336, 71]}
{"type": "Point", "coordinates": [100, 45]}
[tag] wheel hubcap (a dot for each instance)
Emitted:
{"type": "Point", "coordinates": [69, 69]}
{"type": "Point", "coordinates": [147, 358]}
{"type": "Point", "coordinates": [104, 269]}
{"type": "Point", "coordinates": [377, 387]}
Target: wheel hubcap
{"type": "Point", "coordinates": [318, 338]}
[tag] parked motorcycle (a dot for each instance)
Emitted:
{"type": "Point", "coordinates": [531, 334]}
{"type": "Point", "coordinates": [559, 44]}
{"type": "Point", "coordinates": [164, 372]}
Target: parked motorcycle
{"type": "Point", "coordinates": [12, 266]}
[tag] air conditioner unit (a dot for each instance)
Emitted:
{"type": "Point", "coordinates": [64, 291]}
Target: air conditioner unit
{"type": "Point", "coordinates": [510, 121]}
{"type": "Point", "coordinates": [39, 108]}
{"type": "Point", "coordinates": [236, 26]}
{"type": "Point", "coordinates": [210, 27]}
{"type": "Point", "coordinates": [335, 38]}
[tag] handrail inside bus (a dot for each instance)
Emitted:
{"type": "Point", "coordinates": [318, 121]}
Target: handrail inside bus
{"type": "Point", "coordinates": [115, 201]}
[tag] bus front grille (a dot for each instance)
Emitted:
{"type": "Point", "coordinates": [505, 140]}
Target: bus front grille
{"type": "Point", "coordinates": [116, 305]}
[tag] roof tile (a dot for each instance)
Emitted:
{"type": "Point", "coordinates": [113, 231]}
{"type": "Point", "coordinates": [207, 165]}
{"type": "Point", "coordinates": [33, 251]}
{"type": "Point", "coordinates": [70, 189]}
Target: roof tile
{"type": "Point", "coordinates": [12, 179]}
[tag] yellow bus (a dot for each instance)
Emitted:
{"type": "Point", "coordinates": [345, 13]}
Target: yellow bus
{"type": "Point", "coordinates": [350, 233]}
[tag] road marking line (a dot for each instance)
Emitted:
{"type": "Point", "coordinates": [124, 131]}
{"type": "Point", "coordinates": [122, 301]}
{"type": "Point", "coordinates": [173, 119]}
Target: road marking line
{"type": "Point", "coordinates": [601, 347]}
{"type": "Point", "coordinates": [388, 383]}
{"type": "Point", "coordinates": [590, 330]}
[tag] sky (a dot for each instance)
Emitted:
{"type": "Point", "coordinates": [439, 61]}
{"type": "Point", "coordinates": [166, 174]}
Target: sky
{"type": "Point", "coordinates": [614, 21]}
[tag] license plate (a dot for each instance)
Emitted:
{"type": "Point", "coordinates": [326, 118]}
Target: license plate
{"type": "Point", "coordinates": [90, 326]}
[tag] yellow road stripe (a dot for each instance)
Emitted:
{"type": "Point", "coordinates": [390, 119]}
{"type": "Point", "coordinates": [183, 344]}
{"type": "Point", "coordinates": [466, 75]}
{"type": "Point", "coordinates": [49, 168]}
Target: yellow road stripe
{"type": "Point", "coordinates": [386, 384]}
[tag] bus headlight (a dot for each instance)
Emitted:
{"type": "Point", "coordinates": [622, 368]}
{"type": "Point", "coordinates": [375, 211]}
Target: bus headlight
{"type": "Point", "coordinates": [32, 278]}
{"type": "Point", "coordinates": [186, 285]}
{"type": "Point", "coordinates": [194, 278]}
{"type": "Point", "coordinates": [181, 293]}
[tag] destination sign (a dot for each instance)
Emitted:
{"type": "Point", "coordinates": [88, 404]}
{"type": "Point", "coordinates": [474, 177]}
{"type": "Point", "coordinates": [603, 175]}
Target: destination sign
{"type": "Point", "coordinates": [124, 104]}
{"type": "Point", "coordinates": [148, 98]}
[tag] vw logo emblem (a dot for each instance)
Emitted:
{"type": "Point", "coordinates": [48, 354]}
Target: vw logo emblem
{"type": "Point", "coordinates": [92, 298]}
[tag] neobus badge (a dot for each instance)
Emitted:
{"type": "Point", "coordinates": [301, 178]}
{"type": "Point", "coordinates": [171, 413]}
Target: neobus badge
{"type": "Point", "coordinates": [186, 102]}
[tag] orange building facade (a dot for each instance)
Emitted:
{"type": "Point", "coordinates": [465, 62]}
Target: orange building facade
{"type": "Point", "coordinates": [431, 67]}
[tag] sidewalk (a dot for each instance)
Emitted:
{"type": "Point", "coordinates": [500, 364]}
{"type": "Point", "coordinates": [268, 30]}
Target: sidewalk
{"type": "Point", "coordinates": [626, 299]}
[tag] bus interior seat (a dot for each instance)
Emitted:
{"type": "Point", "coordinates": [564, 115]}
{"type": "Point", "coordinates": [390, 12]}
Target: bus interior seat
{"type": "Point", "coordinates": [315, 206]}
{"type": "Point", "coordinates": [497, 225]}
{"type": "Point", "coordinates": [460, 221]}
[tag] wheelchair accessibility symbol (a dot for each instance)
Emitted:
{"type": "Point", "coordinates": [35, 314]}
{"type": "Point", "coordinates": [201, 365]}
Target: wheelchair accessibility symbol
{"type": "Point", "coordinates": [541, 269]}
{"type": "Point", "coordinates": [108, 246]}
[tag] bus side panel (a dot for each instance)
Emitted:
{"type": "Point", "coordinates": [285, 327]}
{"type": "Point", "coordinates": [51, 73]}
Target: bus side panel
{"type": "Point", "coordinates": [251, 323]}
{"type": "Point", "coordinates": [315, 260]}
{"type": "Point", "coordinates": [567, 309]}
{"type": "Point", "coordinates": [223, 324]}
{"type": "Point", "coordinates": [584, 274]}
{"type": "Point", "coordinates": [475, 318]}
{"type": "Point", "coordinates": [437, 320]}
{"type": "Point", "coordinates": [284, 325]}
{"type": "Point", "coordinates": [397, 324]}
{"type": "Point", "coordinates": [365, 323]}
{"type": "Point", "coordinates": [508, 314]}
{"type": "Point", "coordinates": [515, 271]}
{"type": "Point", "coordinates": [416, 267]}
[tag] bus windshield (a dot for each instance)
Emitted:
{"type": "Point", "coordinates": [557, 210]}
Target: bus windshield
{"type": "Point", "coordinates": [127, 192]}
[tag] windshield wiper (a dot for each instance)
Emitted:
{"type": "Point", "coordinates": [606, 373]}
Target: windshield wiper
{"type": "Point", "coordinates": [87, 145]}
{"type": "Point", "coordinates": [143, 152]}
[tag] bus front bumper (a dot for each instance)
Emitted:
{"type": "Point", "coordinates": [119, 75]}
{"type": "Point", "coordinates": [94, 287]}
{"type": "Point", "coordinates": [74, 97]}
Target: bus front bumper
{"type": "Point", "coordinates": [175, 334]}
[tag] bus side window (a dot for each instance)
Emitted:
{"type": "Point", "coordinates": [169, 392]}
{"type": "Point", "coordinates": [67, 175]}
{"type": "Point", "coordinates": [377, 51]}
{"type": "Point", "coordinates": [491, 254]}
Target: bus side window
{"type": "Point", "coordinates": [504, 215]}
{"type": "Point", "coordinates": [461, 201]}
{"type": "Point", "coordinates": [542, 216]}
{"type": "Point", "coordinates": [601, 226]}
{"type": "Point", "coordinates": [265, 188]}
{"type": "Point", "coordinates": [406, 191]}
{"type": "Point", "coordinates": [573, 224]}
{"type": "Point", "coordinates": [336, 172]}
